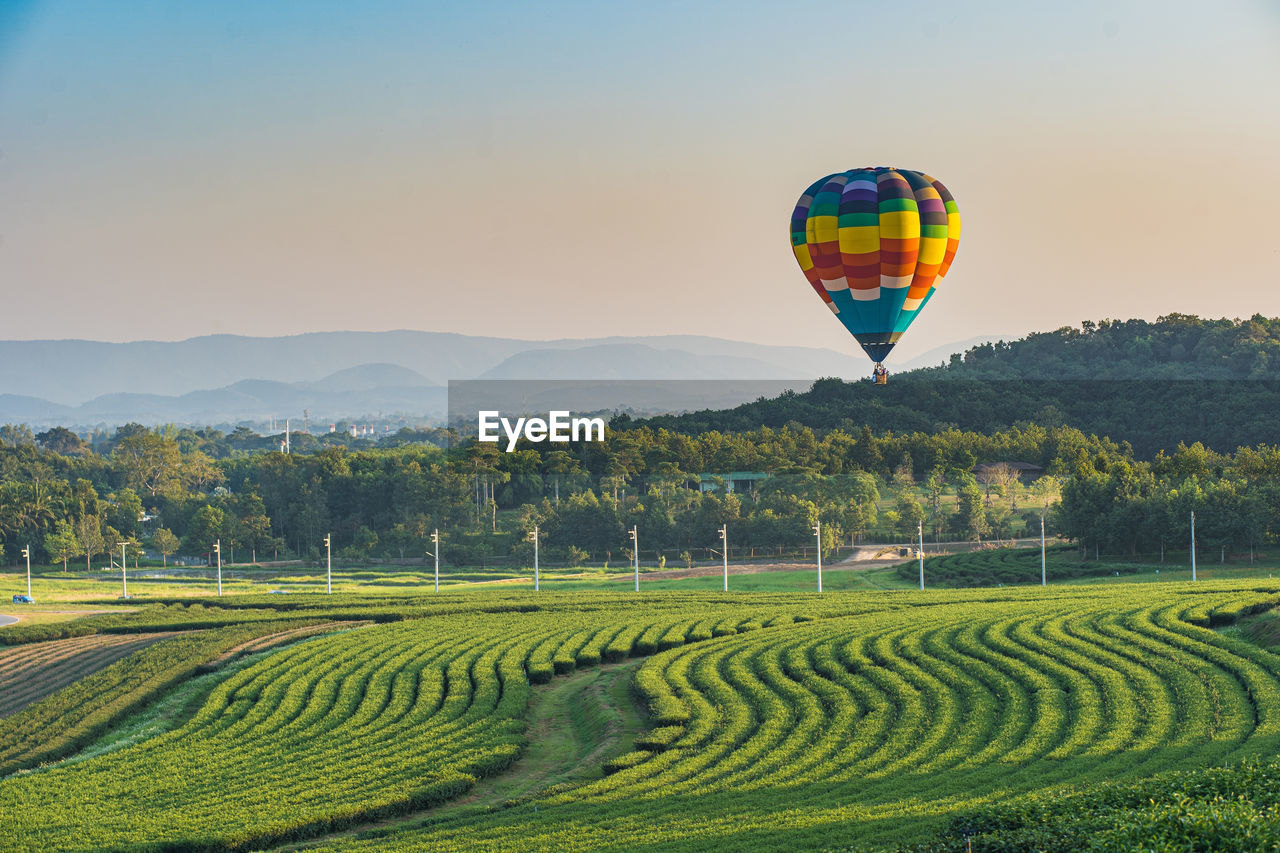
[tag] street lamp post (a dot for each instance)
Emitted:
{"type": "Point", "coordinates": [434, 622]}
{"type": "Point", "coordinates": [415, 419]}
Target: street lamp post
{"type": "Point", "coordinates": [328, 572]}
{"type": "Point", "coordinates": [817, 531]}
{"type": "Point", "coordinates": [920, 531]}
{"type": "Point", "coordinates": [1044, 578]}
{"type": "Point", "coordinates": [217, 550]}
{"type": "Point", "coordinates": [435, 544]}
{"type": "Point", "coordinates": [26, 552]}
{"type": "Point", "coordinates": [724, 539]}
{"type": "Point", "coordinates": [1193, 544]}
{"type": "Point", "coordinates": [534, 536]}
{"type": "Point", "coordinates": [635, 554]}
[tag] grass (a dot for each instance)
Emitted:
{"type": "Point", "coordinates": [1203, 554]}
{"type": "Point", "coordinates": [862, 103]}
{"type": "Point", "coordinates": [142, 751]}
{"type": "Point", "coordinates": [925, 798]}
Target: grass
{"type": "Point", "coordinates": [57, 588]}
{"type": "Point", "coordinates": [576, 724]}
{"type": "Point", "coordinates": [1262, 629]}
{"type": "Point", "coordinates": [53, 589]}
{"type": "Point", "coordinates": [169, 711]}
{"type": "Point", "coordinates": [803, 580]}
{"type": "Point", "coordinates": [1155, 573]}
{"type": "Point", "coordinates": [35, 615]}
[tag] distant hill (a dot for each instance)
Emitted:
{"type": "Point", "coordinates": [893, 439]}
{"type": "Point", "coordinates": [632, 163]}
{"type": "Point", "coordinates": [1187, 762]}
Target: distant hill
{"type": "Point", "coordinates": [72, 372]}
{"type": "Point", "coordinates": [339, 375]}
{"type": "Point", "coordinates": [1179, 379]}
{"type": "Point", "coordinates": [334, 398]}
{"type": "Point", "coordinates": [20, 408]}
{"type": "Point", "coordinates": [365, 376]}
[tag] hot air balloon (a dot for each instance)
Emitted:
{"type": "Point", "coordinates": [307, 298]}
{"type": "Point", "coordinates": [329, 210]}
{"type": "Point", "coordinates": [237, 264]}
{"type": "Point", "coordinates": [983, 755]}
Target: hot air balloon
{"type": "Point", "coordinates": [873, 243]}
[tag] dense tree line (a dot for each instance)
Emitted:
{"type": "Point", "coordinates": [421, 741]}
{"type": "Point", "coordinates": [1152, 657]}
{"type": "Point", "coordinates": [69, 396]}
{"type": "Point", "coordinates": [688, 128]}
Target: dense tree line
{"type": "Point", "coordinates": [72, 500]}
{"type": "Point", "coordinates": [1123, 506]}
{"type": "Point", "coordinates": [164, 490]}
{"type": "Point", "coordinates": [1176, 346]}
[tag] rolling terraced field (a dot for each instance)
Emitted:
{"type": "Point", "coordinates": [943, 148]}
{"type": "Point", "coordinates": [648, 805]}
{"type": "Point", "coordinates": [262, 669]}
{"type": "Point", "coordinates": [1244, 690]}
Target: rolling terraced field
{"type": "Point", "coordinates": [770, 721]}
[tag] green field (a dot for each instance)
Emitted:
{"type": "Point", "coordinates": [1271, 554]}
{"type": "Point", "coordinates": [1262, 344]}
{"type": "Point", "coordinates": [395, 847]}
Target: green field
{"type": "Point", "coordinates": [56, 593]}
{"type": "Point", "coordinates": [1064, 564]}
{"type": "Point", "coordinates": [499, 719]}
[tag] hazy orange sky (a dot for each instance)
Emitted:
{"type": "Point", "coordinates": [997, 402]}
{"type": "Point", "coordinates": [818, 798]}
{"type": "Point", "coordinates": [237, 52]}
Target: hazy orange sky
{"type": "Point", "coordinates": [551, 169]}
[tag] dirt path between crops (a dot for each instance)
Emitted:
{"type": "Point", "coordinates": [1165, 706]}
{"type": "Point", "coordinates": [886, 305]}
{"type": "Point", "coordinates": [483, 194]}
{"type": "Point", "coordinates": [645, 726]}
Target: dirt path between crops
{"type": "Point", "coordinates": [32, 671]}
{"type": "Point", "coordinates": [258, 644]}
{"type": "Point", "coordinates": [576, 723]}
{"type": "Point", "coordinates": [14, 618]}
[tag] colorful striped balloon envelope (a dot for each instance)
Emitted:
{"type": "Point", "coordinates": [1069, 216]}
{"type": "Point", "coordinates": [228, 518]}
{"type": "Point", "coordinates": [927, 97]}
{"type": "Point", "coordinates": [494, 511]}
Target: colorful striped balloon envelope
{"type": "Point", "coordinates": [874, 243]}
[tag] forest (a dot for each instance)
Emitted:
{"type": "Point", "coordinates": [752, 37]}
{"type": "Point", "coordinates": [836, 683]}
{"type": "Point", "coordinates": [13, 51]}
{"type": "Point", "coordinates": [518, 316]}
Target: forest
{"type": "Point", "coordinates": [864, 462]}
{"type": "Point", "coordinates": [161, 495]}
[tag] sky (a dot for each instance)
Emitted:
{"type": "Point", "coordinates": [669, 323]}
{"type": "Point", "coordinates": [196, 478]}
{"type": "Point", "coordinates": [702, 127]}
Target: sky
{"type": "Point", "coordinates": [581, 169]}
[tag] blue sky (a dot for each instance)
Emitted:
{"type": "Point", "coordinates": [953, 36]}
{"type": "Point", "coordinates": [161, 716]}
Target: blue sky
{"type": "Point", "coordinates": [579, 169]}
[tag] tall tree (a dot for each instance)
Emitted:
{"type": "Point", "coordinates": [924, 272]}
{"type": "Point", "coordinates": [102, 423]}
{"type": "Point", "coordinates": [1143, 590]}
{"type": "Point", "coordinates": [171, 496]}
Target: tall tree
{"type": "Point", "coordinates": [150, 463]}
{"type": "Point", "coordinates": [204, 530]}
{"type": "Point", "coordinates": [166, 543]}
{"type": "Point", "coordinates": [62, 441]}
{"type": "Point", "coordinates": [910, 514]}
{"type": "Point", "coordinates": [88, 530]}
{"type": "Point", "coordinates": [971, 516]}
{"type": "Point", "coordinates": [62, 544]}
{"type": "Point", "coordinates": [124, 512]}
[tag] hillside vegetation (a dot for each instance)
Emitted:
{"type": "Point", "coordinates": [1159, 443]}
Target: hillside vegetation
{"type": "Point", "coordinates": [1180, 379]}
{"type": "Point", "coordinates": [1176, 346]}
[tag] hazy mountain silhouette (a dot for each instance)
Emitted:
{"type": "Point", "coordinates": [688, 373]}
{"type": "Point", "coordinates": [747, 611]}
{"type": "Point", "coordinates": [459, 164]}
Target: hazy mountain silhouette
{"type": "Point", "coordinates": [73, 372]}
{"type": "Point", "coordinates": [223, 379]}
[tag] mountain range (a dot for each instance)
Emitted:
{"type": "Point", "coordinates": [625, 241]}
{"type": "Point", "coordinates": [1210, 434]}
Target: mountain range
{"type": "Point", "coordinates": [227, 379]}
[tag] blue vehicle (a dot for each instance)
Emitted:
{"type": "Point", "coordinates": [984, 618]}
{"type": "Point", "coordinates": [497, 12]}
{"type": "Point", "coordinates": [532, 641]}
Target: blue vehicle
{"type": "Point", "coordinates": [23, 599]}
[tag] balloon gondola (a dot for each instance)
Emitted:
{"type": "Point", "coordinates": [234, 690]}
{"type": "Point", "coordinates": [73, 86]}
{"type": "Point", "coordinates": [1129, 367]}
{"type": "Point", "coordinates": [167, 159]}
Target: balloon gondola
{"type": "Point", "coordinates": [873, 243]}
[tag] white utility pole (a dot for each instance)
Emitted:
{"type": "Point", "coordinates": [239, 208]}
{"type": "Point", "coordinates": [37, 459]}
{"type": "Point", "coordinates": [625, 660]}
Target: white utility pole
{"type": "Point", "coordinates": [534, 537]}
{"type": "Point", "coordinates": [817, 531]}
{"type": "Point", "coordinates": [26, 552]}
{"type": "Point", "coordinates": [435, 544]}
{"type": "Point", "coordinates": [1193, 544]}
{"type": "Point", "coordinates": [1044, 579]}
{"type": "Point", "coordinates": [287, 448]}
{"type": "Point", "coordinates": [217, 549]}
{"type": "Point", "coordinates": [635, 554]}
{"type": "Point", "coordinates": [724, 539]}
{"type": "Point", "coordinates": [920, 530]}
{"type": "Point", "coordinates": [536, 587]}
{"type": "Point", "coordinates": [328, 572]}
